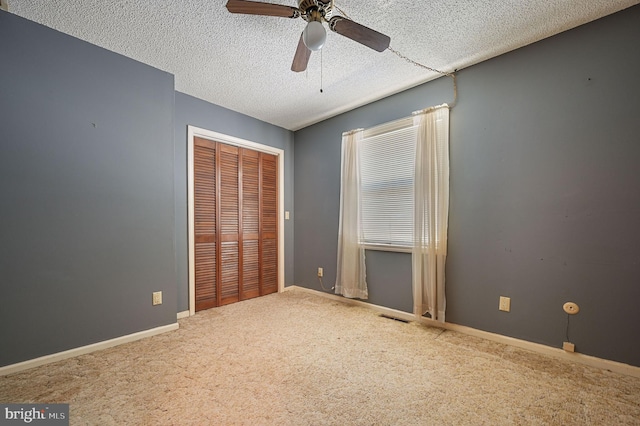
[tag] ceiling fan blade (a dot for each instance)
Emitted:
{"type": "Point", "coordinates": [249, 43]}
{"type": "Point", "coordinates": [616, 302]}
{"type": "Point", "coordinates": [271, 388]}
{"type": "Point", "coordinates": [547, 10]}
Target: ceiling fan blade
{"type": "Point", "coordinates": [259, 8]}
{"type": "Point", "coordinates": [301, 59]}
{"type": "Point", "coordinates": [360, 33]}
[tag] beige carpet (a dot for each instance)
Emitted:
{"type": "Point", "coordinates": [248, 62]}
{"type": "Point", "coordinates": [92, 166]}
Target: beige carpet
{"type": "Point", "coordinates": [300, 359]}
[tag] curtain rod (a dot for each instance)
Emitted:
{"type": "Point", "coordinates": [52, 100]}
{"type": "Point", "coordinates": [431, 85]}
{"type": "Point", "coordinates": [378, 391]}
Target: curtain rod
{"type": "Point", "coordinates": [397, 121]}
{"type": "Point", "coordinates": [351, 132]}
{"type": "Point", "coordinates": [388, 123]}
{"type": "Point", "coordinates": [432, 108]}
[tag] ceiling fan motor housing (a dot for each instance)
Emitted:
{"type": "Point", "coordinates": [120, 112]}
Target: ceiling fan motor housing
{"type": "Point", "coordinates": [316, 10]}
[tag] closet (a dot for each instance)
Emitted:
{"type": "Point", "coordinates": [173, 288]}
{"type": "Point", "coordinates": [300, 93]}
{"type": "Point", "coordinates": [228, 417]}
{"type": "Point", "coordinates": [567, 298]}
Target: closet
{"type": "Point", "coordinates": [235, 223]}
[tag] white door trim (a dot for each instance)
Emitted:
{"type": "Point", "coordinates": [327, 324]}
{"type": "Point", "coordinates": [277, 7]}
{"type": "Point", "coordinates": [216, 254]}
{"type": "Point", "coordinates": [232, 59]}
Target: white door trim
{"type": "Point", "coordinates": [193, 132]}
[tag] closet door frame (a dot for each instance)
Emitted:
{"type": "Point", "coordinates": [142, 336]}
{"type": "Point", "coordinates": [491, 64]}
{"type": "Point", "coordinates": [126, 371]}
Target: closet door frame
{"type": "Point", "coordinates": [192, 133]}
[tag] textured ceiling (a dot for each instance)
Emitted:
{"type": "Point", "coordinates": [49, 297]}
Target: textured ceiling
{"type": "Point", "coordinates": [242, 62]}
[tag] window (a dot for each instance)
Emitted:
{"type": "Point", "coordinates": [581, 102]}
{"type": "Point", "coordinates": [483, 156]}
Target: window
{"type": "Point", "coordinates": [387, 157]}
{"type": "Point", "coordinates": [394, 195]}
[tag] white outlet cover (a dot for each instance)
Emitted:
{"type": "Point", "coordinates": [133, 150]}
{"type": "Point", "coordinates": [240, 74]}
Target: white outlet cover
{"type": "Point", "coordinates": [505, 304]}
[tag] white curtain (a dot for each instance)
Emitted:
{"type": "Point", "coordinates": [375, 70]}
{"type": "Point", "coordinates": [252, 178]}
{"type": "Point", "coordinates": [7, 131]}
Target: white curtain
{"type": "Point", "coordinates": [431, 212]}
{"type": "Point", "coordinates": [351, 276]}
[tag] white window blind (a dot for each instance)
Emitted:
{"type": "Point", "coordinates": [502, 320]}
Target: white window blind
{"type": "Point", "coordinates": [387, 157]}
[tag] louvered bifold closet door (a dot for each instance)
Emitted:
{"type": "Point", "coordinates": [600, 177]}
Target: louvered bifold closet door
{"type": "Point", "coordinates": [229, 224]}
{"type": "Point", "coordinates": [250, 282]}
{"type": "Point", "coordinates": [236, 223]}
{"type": "Point", "coordinates": [269, 223]}
{"type": "Point", "coordinates": [205, 223]}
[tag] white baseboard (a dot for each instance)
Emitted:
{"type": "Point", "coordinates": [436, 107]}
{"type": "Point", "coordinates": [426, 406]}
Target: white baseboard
{"type": "Point", "coordinates": [592, 361]}
{"type": "Point", "coordinates": [47, 359]}
{"type": "Point", "coordinates": [183, 314]}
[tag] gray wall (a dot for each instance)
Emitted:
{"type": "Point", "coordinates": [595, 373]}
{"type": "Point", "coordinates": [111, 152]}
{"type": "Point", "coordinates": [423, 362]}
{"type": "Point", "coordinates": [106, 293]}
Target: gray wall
{"type": "Point", "coordinates": [86, 193]}
{"type": "Point", "coordinates": [196, 112]}
{"type": "Point", "coordinates": [545, 191]}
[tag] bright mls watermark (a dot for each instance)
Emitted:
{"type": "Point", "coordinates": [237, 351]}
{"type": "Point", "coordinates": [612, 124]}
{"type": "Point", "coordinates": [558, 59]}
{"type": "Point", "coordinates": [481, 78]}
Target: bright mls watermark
{"type": "Point", "coordinates": [34, 414]}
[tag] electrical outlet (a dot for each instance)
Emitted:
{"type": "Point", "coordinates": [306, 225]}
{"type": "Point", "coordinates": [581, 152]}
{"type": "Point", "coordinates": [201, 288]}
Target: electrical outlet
{"type": "Point", "coordinates": [157, 298]}
{"type": "Point", "coordinates": [505, 304]}
{"type": "Point", "coordinates": [286, 215]}
{"type": "Point", "coordinates": [320, 272]}
{"type": "Point", "coordinates": [568, 346]}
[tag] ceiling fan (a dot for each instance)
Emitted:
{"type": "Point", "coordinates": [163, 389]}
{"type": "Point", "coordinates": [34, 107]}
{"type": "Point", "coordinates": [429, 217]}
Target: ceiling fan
{"type": "Point", "coordinates": [314, 34]}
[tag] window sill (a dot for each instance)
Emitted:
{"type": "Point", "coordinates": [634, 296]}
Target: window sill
{"type": "Point", "coordinates": [387, 247]}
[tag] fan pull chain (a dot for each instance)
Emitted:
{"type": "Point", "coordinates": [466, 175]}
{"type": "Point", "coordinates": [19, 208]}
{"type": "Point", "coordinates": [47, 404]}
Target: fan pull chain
{"type": "Point", "coordinates": [321, 71]}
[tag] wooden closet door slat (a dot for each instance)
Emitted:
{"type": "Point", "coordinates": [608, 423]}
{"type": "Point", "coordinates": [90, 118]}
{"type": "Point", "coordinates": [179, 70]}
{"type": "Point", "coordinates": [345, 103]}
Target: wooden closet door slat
{"type": "Point", "coordinates": [269, 266]}
{"type": "Point", "coordinates": [228, 190]}
{"type": "Point", "coordinates": [205, 223]}
{"type": "Point", "coordinates": [269, 195]}
{"type": "Point", "coordinates": [229, 288]}
{"type": "Point", "coordinates": [206, 288]}
{"type": "Point", "coordinates": [250, 194]}
{"type": "Point", "coordinates": [269, 224]}
{"type": "Point", "coordinates": [229, 199]}
{"type": "Point", "coordinates": [250, 224]}
{"type": "Point", "coordinates": [251, 270]}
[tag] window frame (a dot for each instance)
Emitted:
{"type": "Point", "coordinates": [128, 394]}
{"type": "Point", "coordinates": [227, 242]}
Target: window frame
{"type": "Point", "coordinates": [400, 124]}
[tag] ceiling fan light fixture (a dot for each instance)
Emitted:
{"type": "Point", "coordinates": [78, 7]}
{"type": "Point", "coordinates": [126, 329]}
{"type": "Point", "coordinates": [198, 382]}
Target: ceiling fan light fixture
{"type": "Point", "coordinates": [314, 35]}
